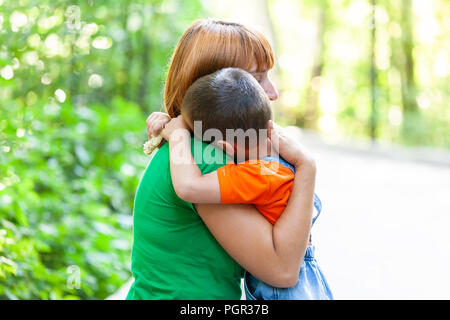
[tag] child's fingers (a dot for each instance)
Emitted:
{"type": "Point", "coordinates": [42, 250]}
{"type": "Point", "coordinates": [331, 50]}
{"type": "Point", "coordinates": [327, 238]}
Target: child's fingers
{"type": "Point", "coordinates": [150, 119]}
{"type": "Point", "coordinates": [149, 131]}
{"type": "Point", "coordinates": [157, 128]}
{"type": "Point", "coordinates": [149, 125]}
{"type": "Point", "coordinates": [152, 130]}
{"type": "Point", "coordinates": [147, 121]}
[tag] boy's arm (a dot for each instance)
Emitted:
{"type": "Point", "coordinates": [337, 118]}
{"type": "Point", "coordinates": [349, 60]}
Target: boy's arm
{"type": "Point", "coordinates": [188, 181]}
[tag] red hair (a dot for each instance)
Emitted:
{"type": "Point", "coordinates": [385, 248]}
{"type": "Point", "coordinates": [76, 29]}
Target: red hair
{"type": "Point", "coordinates": [207, 46]}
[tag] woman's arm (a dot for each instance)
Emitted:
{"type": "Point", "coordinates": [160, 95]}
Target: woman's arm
{"type": "Point", "coordinates": [275, 253]}
{"type": "Point", "coordinates": [272, 253]}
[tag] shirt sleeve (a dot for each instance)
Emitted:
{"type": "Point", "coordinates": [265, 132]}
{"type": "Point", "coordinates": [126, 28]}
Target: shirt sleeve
{"type": "Point", "coordinates": [243, 183]}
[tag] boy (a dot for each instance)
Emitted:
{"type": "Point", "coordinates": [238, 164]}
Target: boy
{"type": "Point", "coordinates": [230, 103]}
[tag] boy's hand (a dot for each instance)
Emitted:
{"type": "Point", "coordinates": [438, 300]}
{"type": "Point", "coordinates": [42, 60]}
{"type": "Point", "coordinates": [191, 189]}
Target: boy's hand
{"type": "Point", "coordinates": [290, 149]}
{"type": "Point", "coordinates": [155, 123]}
{"type": "Point", "coordinates": [174, 127]}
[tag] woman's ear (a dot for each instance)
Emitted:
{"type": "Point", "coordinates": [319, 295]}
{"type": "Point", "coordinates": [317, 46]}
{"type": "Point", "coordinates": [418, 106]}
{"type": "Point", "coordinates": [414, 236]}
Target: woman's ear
{"type": "Point", "coordinates": [225, 146]}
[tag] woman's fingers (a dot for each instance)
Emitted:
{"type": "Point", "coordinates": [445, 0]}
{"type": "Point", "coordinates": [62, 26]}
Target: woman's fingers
{"type": "Point", "coordinates": [288, 147]}
{"type": "Point", "coordinates": [274, 135]}
{"type": "Point", "coordinates": [269, 128]}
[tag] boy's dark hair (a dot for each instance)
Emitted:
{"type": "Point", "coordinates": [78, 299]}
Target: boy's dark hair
{"type": "Point", "coordinates": [229, 98]}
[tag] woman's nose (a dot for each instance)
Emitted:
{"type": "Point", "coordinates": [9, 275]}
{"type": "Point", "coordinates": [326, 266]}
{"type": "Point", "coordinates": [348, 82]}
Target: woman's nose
{"type": "Point", "coordinates": [271, 92]}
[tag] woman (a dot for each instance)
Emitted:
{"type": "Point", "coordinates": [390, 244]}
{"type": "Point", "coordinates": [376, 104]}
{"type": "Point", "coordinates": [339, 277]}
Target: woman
{"type": "Point", "coordinates": [187, 251]}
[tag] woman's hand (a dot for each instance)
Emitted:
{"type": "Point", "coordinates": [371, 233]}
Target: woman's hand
{"type": "Point", "coordinates": [156, 122]}
{"type": "Point", "coordinates": [174, 127]}
{"type": "Point", "coordinates": [290, 149]}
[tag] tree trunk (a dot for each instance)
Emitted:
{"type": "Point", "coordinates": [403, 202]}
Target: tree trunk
{"type": "Point", "coordinates": [126, 87]}
{"type": "Point", "coordinates": [145, 67]}
{"type": "Point", "coordinates": [311, 114]}
{"type": "Point", "coordinates": [373, 75]}
{"type": "Point", "coordinates": [407, 76]}
{"type": "Point", "coordinates": [269, 24]}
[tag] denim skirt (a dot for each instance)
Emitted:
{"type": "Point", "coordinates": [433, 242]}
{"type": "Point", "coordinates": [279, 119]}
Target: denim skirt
{"type": "Point", "coordinates": [311, 284]}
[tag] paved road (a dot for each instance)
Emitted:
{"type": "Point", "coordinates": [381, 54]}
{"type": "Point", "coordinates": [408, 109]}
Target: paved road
{"type": "Point", "coordinates": [384, 232]}
{"type": "Point", "coordinates": [385, 228]}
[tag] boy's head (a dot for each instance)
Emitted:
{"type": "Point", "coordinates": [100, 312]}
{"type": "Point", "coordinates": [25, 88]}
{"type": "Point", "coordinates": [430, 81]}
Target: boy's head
{"type": "Point", "coordinates": [229, 101]}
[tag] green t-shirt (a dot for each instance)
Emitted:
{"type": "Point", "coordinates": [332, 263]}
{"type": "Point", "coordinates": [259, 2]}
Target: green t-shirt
{"type": "Point", "coordinates": [174, 255]}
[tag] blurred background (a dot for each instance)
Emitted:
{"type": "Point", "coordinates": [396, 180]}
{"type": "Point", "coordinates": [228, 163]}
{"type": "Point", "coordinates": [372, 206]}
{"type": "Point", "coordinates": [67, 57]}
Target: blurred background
{"type": "Point", "coordinates": [364, 84]}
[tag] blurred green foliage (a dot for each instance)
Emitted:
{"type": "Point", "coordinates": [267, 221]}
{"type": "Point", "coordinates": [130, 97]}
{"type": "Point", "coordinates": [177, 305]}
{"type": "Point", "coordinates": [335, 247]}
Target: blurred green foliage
{"type": "Point", "coordinates": [364, 68]}
{"type": "Point", "coordinates": [92, 50]}
{"type": "Point", "coordinates": [69, 179]}
{"type": "Point", "coordinates": [77, 81]}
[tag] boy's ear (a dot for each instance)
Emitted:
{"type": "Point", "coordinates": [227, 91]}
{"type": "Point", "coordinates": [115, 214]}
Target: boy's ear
{"type": "Point", "coordinates": [226, 146]}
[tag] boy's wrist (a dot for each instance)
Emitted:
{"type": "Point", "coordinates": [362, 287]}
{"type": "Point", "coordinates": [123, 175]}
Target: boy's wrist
{"type": "Point", "coordinates": [180, 134]}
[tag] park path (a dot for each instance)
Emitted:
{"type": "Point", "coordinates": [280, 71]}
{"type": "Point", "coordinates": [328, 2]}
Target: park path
{"type": "Point", "coordinates": [384, 232]}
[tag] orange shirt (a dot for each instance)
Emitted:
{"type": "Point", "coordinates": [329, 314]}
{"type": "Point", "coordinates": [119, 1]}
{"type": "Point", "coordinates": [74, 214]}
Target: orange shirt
{"type": "Point", "coordinates": [266, 184]}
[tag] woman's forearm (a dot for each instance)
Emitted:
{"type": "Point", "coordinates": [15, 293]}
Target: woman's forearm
{"type": "Point", "coordinates": [272, 253]}
{"type": "Point", "coordinates": [291, 231]}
